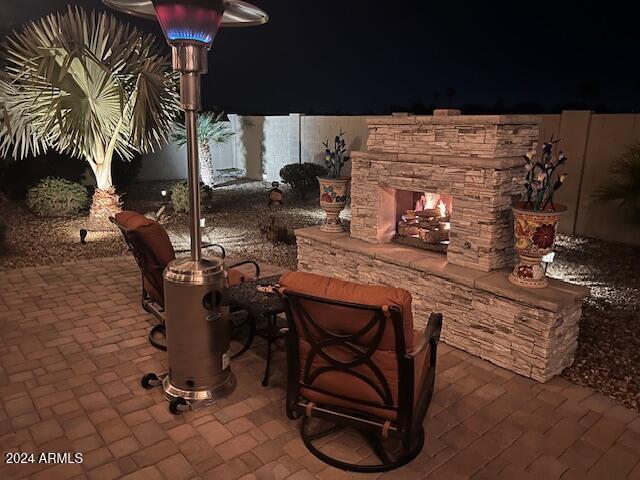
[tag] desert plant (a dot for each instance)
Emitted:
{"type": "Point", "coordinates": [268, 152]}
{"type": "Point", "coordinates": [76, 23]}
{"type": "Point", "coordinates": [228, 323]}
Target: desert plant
{"type": "Point", "coordinates": [57, 197]}
{"type": "Point", "coordinates": [89, 86]}
{"type": "Point", "coordinates": [211, 129]}
{"type": "Point", "coordinates": [539, 180]}
{"type": "Point", "coordinates": [180, 196]}
{"type": "Point", "coordinates": [625, 187]}
{"type": "Point", "coordinates": [302, 177]}
{"type": "Point", "coordinates": [335, 158]}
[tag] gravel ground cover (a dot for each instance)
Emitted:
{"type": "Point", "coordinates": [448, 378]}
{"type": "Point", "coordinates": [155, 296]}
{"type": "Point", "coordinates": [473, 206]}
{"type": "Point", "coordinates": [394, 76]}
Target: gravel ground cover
{"type": "Point", "coordinates": [233, 219]}
{"type": "Point", "coordinates": [608, 357]}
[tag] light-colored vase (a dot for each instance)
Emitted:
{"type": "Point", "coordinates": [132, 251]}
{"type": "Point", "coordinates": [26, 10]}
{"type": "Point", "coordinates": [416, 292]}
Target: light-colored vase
{"type": "Point", "coordinates": [334, 193]}
{"type": "Point", "coordinates": [535, 234]}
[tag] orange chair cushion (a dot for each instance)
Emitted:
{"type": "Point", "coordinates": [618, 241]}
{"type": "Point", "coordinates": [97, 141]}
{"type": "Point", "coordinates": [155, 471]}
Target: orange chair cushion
{"type": "Point", "coordinates": [235, 276]}
{"type": "Point", "coordinates": [343, 291]}
{"type": "Point", "coordinates": [345, 321]}
{"type": "Point", "coordinates": [157, 250]}
{"type": "Point", "coordinates": [350, 386]}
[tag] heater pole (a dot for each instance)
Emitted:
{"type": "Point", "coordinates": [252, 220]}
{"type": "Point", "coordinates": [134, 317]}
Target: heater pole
{"type": "Point", "coordinates": [191, 119]}
{"type": "Point", "coordinates": [191, 61]}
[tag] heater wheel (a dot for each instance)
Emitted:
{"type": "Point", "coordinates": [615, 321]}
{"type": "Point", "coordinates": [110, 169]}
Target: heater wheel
{"type": "Point", "coordinates": [174, 405]}
{"type": "Point", "coordinates": [149, 381]}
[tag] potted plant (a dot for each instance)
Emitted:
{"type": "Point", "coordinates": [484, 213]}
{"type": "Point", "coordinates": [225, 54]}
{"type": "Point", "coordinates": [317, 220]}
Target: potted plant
{"type": "Point", "coordinates": [334, 189]}
{"type": "Point", "coordinates": [536, 218]}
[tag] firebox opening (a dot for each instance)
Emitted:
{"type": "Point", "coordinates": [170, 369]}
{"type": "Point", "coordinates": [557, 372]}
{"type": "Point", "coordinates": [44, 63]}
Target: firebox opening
{"type": "Point", "coordinates": [423, 220]}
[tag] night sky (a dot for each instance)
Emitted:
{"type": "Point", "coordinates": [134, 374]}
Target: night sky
{"type": "Point", "coordinates": [363, 57]}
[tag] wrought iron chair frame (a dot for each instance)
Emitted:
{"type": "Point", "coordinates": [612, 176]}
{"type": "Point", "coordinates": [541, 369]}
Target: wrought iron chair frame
{"type": "Point", "coordinates": [135, 246]}
{"type": "Point", "coordinates": [408, 426]}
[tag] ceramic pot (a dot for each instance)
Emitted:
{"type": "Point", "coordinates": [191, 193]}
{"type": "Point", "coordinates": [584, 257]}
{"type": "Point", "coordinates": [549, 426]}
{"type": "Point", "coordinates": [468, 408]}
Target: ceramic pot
{"type": "Point", "coordinates": [334, 193]}
{"type": "Point", "coordinates": [535, 234]}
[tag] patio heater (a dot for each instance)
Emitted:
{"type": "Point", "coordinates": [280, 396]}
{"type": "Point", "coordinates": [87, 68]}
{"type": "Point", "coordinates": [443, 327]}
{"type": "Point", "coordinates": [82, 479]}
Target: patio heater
{"type": "Point", "coordinates": [196, 305]}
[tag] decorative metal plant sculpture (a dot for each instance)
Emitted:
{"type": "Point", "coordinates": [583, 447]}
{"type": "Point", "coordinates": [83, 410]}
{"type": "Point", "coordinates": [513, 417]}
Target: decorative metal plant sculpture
{"type": "Point", "coordinates": [539, 181]}
{"type": "Point", "coordinates": [90, 86]}
{"type": "Point", "coordinates": [211, 129]}
{"type": "Point", "coordinates": [335, 158]}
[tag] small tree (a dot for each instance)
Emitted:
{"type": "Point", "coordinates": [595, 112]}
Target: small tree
{"type": "Point", "coordinates": [89, 86]}
{"type": "Point", "coordinates": [211, 129]}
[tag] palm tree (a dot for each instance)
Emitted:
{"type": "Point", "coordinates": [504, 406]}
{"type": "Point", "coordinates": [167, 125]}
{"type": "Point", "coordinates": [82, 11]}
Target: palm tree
{"type": "Point", "coordinates": [211, 128]}
{"type": "Point", "coordinates": [625, 189]}
{"type": "Point", "coordinates": [88, 86]}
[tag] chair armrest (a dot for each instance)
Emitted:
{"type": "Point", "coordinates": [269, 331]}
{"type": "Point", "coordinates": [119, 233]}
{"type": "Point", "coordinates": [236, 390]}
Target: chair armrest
{"type": "Point", "coordinates": [205, 246]}
{"type": "Point", "coordinates": [248, 262]}
{"type": "Point", "coordinates": [431, 335]}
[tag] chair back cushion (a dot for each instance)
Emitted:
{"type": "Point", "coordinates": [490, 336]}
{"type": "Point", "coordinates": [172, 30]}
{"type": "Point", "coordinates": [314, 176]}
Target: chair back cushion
{"type": "Point", "coordinates": [151, 247]}
{"type": "Point", "coordinates": [348, 355]}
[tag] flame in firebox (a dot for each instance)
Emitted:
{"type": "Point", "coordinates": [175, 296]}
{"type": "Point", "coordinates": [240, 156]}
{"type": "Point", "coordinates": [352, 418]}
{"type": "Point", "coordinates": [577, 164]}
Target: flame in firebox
{"type": "Point", "coordinates": [427, 201]}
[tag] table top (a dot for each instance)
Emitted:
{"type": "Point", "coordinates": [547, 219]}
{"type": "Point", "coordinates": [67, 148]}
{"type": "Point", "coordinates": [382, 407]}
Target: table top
{"type": "Point", "coordinates": [246, 296]}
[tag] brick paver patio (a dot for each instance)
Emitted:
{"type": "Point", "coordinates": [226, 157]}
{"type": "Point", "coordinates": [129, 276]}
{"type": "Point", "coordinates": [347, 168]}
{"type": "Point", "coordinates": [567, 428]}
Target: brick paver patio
{"type": "Point", "coordinates": [73, 348]}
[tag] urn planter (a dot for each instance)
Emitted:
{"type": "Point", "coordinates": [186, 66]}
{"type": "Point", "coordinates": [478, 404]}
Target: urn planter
{"type": "Point", "coordinates": [334, 193]}
{"type": "Point", "coordinates": [535, 234]}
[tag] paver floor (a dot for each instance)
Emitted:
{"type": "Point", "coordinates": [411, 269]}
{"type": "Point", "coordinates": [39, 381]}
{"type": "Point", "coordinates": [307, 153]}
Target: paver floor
{"type": "Point", "coordinates": [73, 348]}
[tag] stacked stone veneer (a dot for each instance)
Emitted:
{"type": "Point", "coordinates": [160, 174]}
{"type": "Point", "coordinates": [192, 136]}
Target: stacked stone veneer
{"type": "Point", "coordinates": [476, 159]}
{"type": "Point", "coordinates": [532, 334]}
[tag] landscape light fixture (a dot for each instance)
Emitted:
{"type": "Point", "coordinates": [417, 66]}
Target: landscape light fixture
{"type": "Point", "coordinates": [196, 300]}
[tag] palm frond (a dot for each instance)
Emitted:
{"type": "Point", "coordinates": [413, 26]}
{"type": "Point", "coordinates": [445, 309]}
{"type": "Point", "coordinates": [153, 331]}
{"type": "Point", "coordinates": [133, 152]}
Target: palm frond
{"type": "Point", "coordinates": [211, 128]}
{"type": "Point", "coordinates": [85, 84]}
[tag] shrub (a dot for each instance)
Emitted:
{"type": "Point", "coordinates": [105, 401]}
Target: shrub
{"type": "Point", "coordinates": [301, 177]}
{"type": "Point", "coordinates": [180, 196]}
{"type": "Point", "coordinates": [57, 197]}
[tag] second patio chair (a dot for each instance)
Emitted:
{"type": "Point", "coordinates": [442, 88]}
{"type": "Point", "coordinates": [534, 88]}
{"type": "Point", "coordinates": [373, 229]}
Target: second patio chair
{"type": "Point", "coordinates": [354, 360]}
{"type": "Point", "coordinates": [151, 247]}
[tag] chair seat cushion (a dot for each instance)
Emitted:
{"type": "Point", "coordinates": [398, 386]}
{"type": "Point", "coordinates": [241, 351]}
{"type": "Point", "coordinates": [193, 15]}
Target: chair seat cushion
{"type": "Point", "coordinates": [343, 291]}
{"type": "Point", "coordinates": [236, 276]}
{"type": "Point", "coordinates": [331, 387]}
{"type": "Point", "coordinates": [322, 381]}
{"type": "Point", "coordinates": [153, 250]}
{"type": "Point", "coordinates": [151, 233]}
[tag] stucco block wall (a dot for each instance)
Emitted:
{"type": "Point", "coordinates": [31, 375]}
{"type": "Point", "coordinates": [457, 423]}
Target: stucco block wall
{"type": "Point", "coordinates": [317, 129]}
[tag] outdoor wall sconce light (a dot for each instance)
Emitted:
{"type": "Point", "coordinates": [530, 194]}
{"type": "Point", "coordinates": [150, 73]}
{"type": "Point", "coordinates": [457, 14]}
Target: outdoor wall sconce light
{"type": "Point", "coordinates": [197, 328]}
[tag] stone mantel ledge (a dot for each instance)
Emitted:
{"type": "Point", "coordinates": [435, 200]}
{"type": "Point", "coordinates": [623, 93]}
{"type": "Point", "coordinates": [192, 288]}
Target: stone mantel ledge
{"type": "Point", "coordinates": [556, 297]}
{"type": "Point", "coordinates": [456, 120]}
{"type": "Point", "coordinates": [497, 163]}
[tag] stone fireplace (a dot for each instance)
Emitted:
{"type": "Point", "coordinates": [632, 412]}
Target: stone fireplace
{"type": "Point", "coordinates": [430, 204]}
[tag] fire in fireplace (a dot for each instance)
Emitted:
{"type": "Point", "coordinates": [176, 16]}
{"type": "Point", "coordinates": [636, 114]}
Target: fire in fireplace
{"type": "Point", "coordinates": [423, 220]}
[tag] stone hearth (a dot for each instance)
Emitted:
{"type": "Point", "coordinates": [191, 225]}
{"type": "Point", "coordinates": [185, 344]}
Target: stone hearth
{"type": "Point", "coordinates": [476, 160]}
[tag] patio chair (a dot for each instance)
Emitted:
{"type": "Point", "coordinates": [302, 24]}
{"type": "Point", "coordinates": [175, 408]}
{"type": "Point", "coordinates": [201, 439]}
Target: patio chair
{"type": "Point", "coordinates": [354, 360]}
{"type": "Point", "coordinates": [149, 243]}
